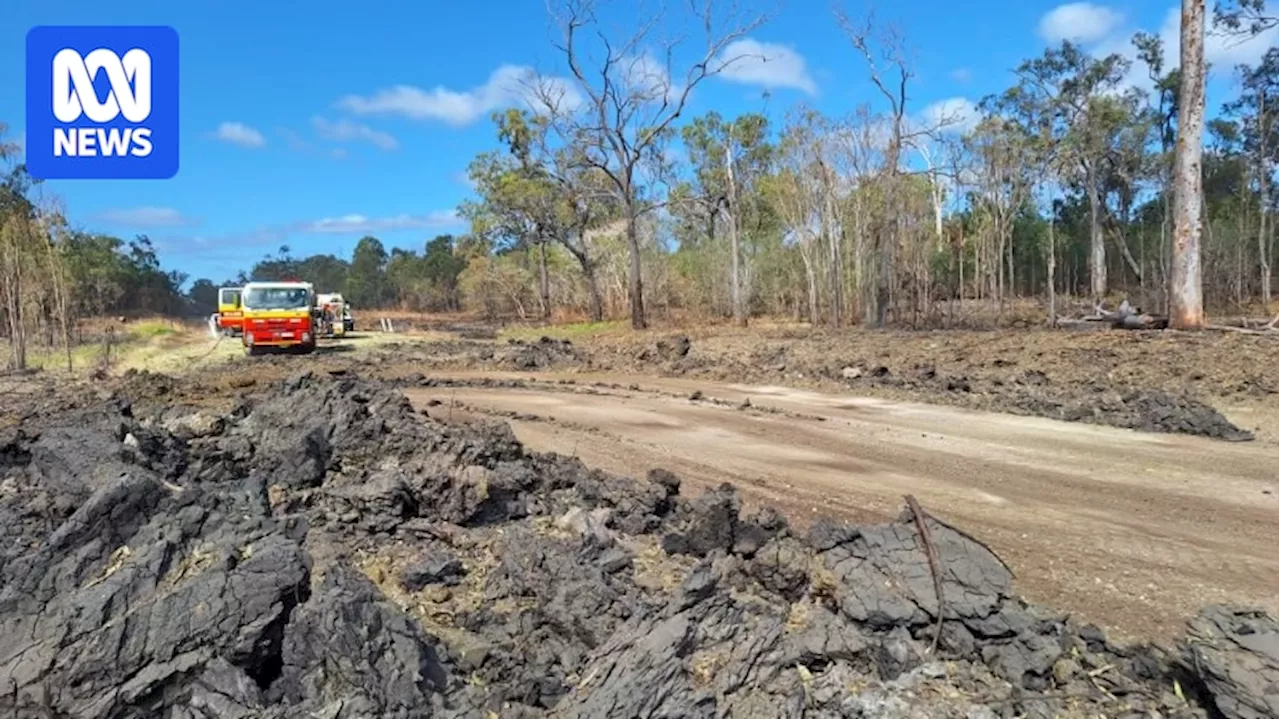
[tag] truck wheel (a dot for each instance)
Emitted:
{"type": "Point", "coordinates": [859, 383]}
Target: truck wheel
{"type": "Point", "coordinates": [252, 350]}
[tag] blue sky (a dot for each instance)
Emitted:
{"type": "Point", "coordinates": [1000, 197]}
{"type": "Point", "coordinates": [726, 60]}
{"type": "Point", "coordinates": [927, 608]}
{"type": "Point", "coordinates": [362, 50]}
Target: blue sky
{"type": "Point", "coordinates": [314, 124]}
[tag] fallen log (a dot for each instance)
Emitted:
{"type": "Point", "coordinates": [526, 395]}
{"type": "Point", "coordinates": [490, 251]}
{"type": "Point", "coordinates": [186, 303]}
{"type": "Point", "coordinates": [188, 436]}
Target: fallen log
{"type": "Point", "coordinates": [1270, 329]}
{"type": "Point", "coordinates": [1127, 318]}
{"type": "Point", "coordinates": [1253, 323]}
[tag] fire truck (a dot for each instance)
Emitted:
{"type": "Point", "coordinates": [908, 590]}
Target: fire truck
{"type": "Point", "coordinates": [228, 320]}
{"type": "Point", "coordinates": [280, 315]}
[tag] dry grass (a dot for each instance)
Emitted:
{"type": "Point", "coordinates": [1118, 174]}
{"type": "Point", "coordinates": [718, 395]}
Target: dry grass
{"type": "Point", "coordinates": [170, 346]}
{"type": "Point", "coordinates": [655, 570]}
{"type": "Point", "coordinates": [704, 665]}
{"type": "Point", "coordinates": [135, 344]}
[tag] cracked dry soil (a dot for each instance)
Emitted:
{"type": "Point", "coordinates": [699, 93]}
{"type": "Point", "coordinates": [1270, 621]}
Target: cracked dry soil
{"type": "Point", "coordinates": [322, 551]}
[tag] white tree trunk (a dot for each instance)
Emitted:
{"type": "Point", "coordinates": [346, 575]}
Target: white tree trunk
{"type": "Point", "coordinates": [1186, 310]}
{"type": "Point", "coordinates": [1097, 247]}
{"type": "Point", "coordinates": [739, 311]}
{"type": "Point", "coordinates": [1264, 239]}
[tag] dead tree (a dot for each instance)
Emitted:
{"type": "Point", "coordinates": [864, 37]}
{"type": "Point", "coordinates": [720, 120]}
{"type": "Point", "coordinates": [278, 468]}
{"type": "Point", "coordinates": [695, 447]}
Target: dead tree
{"type": "Point", "coordinates": [894, 89]}
{"type": "Point", "coordinates": [631, 99]}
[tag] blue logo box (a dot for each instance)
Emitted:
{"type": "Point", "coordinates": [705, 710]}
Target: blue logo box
{"type": "Point", "coordinates": [102, 102]}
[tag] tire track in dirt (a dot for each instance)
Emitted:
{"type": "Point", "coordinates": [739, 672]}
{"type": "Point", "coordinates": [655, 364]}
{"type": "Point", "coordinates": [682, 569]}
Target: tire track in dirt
{"type": "Point", "coordinates": [1130, 530]}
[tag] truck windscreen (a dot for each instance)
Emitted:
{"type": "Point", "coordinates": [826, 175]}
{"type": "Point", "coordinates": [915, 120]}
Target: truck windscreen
{"type": "Point", "coordinates": [275, 298]}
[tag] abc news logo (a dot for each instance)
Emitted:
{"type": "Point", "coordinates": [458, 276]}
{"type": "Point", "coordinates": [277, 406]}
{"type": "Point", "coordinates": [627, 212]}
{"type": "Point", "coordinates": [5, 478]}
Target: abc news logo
{"type": "Point", "coordinates": [102, 102]}
{"type": "Point", "coordinates": [74, 96]}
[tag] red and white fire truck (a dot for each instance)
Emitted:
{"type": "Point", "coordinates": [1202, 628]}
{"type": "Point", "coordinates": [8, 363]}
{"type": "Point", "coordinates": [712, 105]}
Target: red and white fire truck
{"type": "Point", "coordinates": [279, 315]}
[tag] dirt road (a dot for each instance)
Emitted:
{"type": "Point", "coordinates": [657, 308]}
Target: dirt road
{"type": "Point", "coordinates": [1132, 531]}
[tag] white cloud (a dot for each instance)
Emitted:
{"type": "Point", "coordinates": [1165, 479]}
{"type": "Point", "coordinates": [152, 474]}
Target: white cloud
{"type": "Point", "coordinates": [1079, 22]}
{"type": "Point", "coordinates": [271, 236]}
{"type": "Point", "coordinates": [346, 131]}
{"type": "Point", "coordinates": [147, 217]}
{"type": "Point", "coordinates": [1222, 51]}
{"type": "Point", "coordinates": [507, 86]}
{"type": "Point", "coordinates": [238, 133]}
{"type": "Point", "coordinates": [954, 114]}
{"type": "Point", "coordinates": [352, 224]}
{"type": "Point", "coordinates": [962, 74]}
{"type": "Point", "coordinates": [646, 77]}
{"type": "Point", "coordinates": [766, 64]}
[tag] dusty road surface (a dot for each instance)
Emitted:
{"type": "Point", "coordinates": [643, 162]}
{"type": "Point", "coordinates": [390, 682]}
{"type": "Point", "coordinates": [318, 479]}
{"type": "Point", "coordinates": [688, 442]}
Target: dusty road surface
{"type": "Point", "coordinates": [1132, 531]}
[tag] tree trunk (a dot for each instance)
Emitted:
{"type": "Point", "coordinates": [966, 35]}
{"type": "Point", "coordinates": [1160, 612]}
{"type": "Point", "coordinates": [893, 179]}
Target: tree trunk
{"type": "Point", "coordinates": [596, 302]}
{"type": "Point", "coordinates": [739, 311]}
{"type": "Point", "coordinates": [635, 285]}
{"type": "Point", "coordinates": [58, 280]}
{"type": "Point", "coordinates": [812, 277]}
{"type": "Point", "coordinates": [544, 282]}
{"type": "Point", "coordinates": [886, 245]}
{"type": "Point", "coordinates": [583, 256]}
{"type": "Point", "coordinates": [1123, 246]}
{"type": "Point", "coordinates": [829, 230]}
{"type": "Point", "coordinates": [1053, 271]}
{"type": "Point", "coordinates": [1186, 309]}
{"type": "Point", "coordinates": [1097, 248]}
{"type": "Point", "coordinates": [12, 284]}
{"type": "Point", "coordinates": [1011, 279]}
{"type": "Point", "coordinates": [937, 211]}
{"type": "Point", "coordinates": [1264, 258]}
{"type": "Point", "coordinates": [882, 281]}
{"type": "Point", "coordinates": [1264, 194]}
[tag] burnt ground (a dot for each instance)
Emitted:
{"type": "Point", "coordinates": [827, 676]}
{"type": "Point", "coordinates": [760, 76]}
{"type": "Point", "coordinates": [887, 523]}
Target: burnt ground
{"type": "Point", "coordinates": [237, 543]}
{"type": "Point", "coordinates": [1152, 381]}
{"type": "Point", "coordinates": [245, 546]}
{"type": "Point", "coordinates": [1213, 384]}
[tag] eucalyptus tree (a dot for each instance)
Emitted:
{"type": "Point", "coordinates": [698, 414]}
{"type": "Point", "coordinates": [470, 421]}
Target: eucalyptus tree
{"type": "Point", "coordinates": [796, 194]}
{"type": "Point", "coordinates": [1075, 93]}
{"type": "Point", "coordinates": [1186, 293]}
{"type": "Point", "coordinates": [1256, 111]}
{"type": "Point", "coordinates": [727, 161]}
{"type": "Point", "coordinates": [1003, 152]}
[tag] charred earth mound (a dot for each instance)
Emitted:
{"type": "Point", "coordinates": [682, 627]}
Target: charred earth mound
{"type": "Point", "coordinates": [322, 551]}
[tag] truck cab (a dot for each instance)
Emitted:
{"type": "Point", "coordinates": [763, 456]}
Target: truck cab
{"type": "Point", "coordinates": [278, 315]}
{"type": "Point", "coordinates": [229, 318]}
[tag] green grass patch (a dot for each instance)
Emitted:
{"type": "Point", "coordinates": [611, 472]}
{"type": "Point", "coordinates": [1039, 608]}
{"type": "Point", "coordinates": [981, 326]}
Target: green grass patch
{"type": "Point", "coordinates": [152, 329]}
{"type": "Point", "coordinates": [82, 356]}
{"type": "Point", "coordinates": [135, 345]}
{"type": "Point", "coordinates": [575, 330]}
